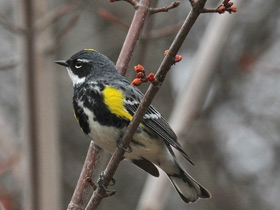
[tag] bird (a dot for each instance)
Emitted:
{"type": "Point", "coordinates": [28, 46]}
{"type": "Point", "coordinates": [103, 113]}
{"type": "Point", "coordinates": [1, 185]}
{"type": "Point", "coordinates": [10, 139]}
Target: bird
{"type": "Point", "coordinates": [104, 103]}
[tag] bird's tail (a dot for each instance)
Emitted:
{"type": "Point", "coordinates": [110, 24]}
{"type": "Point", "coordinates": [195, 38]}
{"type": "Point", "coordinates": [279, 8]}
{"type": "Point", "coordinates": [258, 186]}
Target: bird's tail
{"type": "Point", "coordinates": [187, 187]}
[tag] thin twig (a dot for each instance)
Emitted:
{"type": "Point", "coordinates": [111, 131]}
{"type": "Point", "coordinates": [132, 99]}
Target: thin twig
{"type": "Point", "coordinates": [92, 158]}
{"type": "Point", "coordinates": [9, 163]}
{"type": "Point", "coordinates": [163, 32]}
{"type": "Point", "coordinates": [164, 9]}
{"type": "Point", "coordinates": [205, 10]}
{"type": "Point", "coordinates": [134, 3]}
{"type": "Point", "coordinates": [60, 36]}
{"type": "Point", "coordinates": [105, 14]}
{"type": "Point", "coordinates": [71, 24]}
{"type": "Point", "coordinates": [56, 14]}
{"type": "Point", "coordinates": [4, 65]}
{"type": "Point", "coordinates": [166, 64]}
{"type": "Point", "coordinates": [7, 24]}
{"type": "Point", "coordinates": [133, 35]}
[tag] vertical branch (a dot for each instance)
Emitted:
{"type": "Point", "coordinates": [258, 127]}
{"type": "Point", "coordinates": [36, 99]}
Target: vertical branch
{"type": "Point", "coordinates": [31, 124]}
{"type": "Point", "coordinates": [133, 35]}
{"type": "Point", "coordinates": [40, 128]}
{"type": "Point", "coordinates": [79, 197]}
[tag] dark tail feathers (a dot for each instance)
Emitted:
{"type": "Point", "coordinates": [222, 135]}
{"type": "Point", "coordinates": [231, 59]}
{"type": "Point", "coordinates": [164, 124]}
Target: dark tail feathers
{"type": "Point", "coordinates": [187, 187]}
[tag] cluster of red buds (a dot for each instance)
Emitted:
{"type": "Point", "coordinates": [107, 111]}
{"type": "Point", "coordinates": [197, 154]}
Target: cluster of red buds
{"type": "Point", "coordinates": [226, 6]}
{"type": "Point", "coordinates": [141, 76]}
{"type": "Point", "coordinates": [178, 58]}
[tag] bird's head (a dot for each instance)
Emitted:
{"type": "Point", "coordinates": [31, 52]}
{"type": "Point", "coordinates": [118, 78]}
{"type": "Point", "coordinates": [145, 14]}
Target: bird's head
{"type": "Point", "coordinates": [87, 63]}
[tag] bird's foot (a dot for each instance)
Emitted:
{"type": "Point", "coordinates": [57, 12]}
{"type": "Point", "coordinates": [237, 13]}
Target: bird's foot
{"type": "Point", "coordinates": [120, 145]}
{"type": "Point", "coordinates": [91, 183]}
{"type": "Point", "coordinates": [100, 182]}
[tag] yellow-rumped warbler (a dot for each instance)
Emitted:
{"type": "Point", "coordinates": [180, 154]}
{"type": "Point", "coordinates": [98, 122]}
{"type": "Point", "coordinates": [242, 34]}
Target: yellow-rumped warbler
{"type": "Point", "coordinates": [104, 104]}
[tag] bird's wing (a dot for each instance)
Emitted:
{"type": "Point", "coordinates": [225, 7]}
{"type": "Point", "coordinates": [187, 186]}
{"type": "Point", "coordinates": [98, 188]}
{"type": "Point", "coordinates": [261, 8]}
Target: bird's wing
{"type": "Point", "coordinates": [153, 120]}
{"type": "Point", "coordinates": [147, 166]}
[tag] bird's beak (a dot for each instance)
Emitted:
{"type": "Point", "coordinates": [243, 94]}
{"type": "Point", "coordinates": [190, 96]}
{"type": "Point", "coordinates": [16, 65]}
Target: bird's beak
{"type": "Point", "coordinates": [62, 63]}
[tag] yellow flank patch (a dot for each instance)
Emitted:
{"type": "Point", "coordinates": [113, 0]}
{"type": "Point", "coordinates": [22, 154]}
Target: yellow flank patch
{"type": "Point", "coordinates": [114, 99]}
{"type": "Point", "coordinates": [89, 49]}
{"type": "Point", "coordinates": [75, 116]}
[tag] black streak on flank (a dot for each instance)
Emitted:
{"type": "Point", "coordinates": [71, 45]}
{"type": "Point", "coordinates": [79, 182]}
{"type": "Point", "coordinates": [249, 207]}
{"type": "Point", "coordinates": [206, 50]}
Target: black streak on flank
{"type": "Point", "coordinates": [94, 102]}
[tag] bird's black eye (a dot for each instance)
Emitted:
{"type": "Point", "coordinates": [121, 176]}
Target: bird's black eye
{"type": "Point", "coordinates": [78, 64]}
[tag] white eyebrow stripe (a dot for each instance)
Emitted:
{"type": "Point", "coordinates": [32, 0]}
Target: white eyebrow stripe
{"type": "Point", "coordinates": [83, 60]}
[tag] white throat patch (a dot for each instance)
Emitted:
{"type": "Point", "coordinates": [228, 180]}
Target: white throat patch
{"type": "Point", "coordinates": [74, 78]}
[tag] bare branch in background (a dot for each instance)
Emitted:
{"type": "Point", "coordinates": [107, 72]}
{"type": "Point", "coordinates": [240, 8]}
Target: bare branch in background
{"type": "Point", "coordinates": [105, 14]}
{"type": "Point", "coordinates": [154, 34]}
{"type": "Point", "coordinates": [54, 15]}
{"type": "Point", "coordinates": [61, 35]}
{"type": "Point", "coordinates": [163, 32]}
{"type": "Point", "coordinates": [5, 65]}
{"type": "Point", "coordinates": [165, 9]}
{"type": "Point", "coordinates": [78, 199]}
{"type": "Point", "coordinates": [9, 163]}
{"type": "Point", "coordinates": [7, 24]}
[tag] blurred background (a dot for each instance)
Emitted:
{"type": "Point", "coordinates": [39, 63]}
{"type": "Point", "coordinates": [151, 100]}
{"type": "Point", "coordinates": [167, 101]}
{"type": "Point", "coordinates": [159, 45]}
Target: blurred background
{"type": "Point", "coordinates": [222, 100]}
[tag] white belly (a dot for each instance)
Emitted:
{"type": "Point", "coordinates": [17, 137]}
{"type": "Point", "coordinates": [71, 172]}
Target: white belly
{"type": "Point", "coordinates": [106, 137]}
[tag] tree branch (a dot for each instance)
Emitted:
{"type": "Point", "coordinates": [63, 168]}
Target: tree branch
{"type": "Point", "coordinates": [11, 26]}
{"type": "Point", "coordinates": [134, 3]}
{"type": "Point", "coordinates": [56, 14]}
{"type": "Point", "coordinates": [164, 9]}
{"type": "Point", "coordinates": [133, 35]}
{"type": "Point", "coordinates": [78, 199]}
{"type": "Point", "coordinates": [166, 64]}
{"type": "Point", "coordinates": [105, 14]}
{"type": "Point", "coordinates": [163, 32]}
{"type": "Point", "coordinates": [4, 65]}
{"type": "Point", "coordinates": [60, 36]}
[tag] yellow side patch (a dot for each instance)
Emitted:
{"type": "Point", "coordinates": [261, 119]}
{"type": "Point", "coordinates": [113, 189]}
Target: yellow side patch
{"type": "Point", "coordinates": [89, 49]}
{"type": "Point", "coordinates": [75, 116]}
{"type": "Point", "coordinates": [114, 99]}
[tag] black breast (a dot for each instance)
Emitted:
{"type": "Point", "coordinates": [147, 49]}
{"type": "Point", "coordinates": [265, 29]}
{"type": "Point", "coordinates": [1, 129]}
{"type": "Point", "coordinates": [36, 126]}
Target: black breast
{"type": "Point", "coordinates": [91, 98]}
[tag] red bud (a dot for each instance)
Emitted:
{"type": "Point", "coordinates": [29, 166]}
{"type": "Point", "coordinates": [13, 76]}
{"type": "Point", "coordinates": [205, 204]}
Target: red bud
{"type": "Point", "coordinates": [151, 77]}
{"type": "Point", "coordinates": [136, 82]}
{"type": "Point", "coordinates": [221, 9]}
{"type": "Point", "coordinates": [178, 58]}
{"type": "Point", "coordinates": [139, 68]}
{"type": "Point", "coordinates": [233, 9]}
{"type": "Point", "coordinates": [140, 75]}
